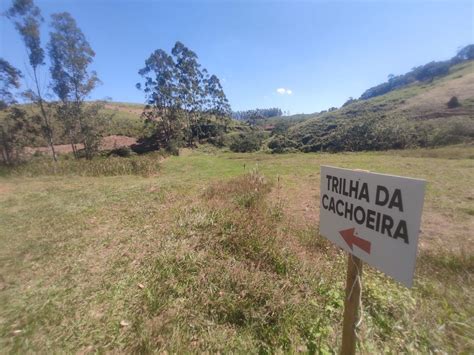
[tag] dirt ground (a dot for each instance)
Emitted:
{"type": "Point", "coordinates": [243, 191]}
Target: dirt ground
{"type": "Point", "coordinates": [109, 142]}
{"type": "Point", "coordinates": [439, 227]}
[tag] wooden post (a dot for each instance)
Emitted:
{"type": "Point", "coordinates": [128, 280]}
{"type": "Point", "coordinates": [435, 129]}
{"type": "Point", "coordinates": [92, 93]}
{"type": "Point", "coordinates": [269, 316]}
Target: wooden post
{"type": "Point", "coordinates": [351, 305]}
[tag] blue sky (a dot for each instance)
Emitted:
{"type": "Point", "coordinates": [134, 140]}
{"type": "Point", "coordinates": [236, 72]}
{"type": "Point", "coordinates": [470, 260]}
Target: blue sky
{"type": "Point", "coordinates": [317, 53]}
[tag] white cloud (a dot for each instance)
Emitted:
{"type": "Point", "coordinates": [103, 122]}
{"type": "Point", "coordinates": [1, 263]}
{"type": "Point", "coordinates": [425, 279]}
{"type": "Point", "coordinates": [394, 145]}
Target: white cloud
{"type": "Point", "coordinates": [284, 91]}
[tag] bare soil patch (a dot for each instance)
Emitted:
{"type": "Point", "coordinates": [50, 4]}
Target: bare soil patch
{"type": "Point", "coordinates": [439, 231]}
{"type": "Point", "coordinates": [109, 142]}
{"type": "Point", "coordinates": [129, 109]}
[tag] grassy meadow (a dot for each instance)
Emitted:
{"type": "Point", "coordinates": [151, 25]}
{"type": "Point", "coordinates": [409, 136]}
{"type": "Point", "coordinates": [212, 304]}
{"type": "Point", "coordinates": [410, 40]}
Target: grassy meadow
{"type": "Point", "coordinates": [219, 252]}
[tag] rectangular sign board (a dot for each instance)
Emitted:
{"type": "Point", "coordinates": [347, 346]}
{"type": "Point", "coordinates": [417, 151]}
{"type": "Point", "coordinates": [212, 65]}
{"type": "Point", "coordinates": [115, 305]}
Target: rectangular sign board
{"type": "Point", "coordinates": [376, 217]}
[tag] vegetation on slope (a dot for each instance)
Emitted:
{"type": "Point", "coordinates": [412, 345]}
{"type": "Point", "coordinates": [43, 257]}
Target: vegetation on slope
{"type": "Point", "coordinates": [422, 73]}
{"type": "Point", "coordinates": [415, 116]}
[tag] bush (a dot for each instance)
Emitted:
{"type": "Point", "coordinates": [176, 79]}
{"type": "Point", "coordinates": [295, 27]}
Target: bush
{"type": "Point", "coordinates": [453, 102]}
{"type": "Point", "coordinates": [246, 142]}
{"type": "Point", "coordinates": [121, 152]}
{"type": "Point", "coordinates": [459, 132]}
{"type": "Point", "coordinates": [281, 144]}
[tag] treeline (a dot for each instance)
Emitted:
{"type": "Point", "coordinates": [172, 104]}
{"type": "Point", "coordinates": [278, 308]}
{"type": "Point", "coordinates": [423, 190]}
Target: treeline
{"type": "Point", "coordinates": [70, 80]}
{"type": "Point", "coordinates": [184, 103]}
{"type": "Point", "coordinates": [253, 116]}
{"type": "Point", "coordinates": [425, 72]}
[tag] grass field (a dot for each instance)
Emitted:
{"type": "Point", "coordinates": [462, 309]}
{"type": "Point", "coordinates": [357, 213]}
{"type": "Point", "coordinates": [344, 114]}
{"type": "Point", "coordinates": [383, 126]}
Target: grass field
{"type": "Point", "coordinates": [220, 252]}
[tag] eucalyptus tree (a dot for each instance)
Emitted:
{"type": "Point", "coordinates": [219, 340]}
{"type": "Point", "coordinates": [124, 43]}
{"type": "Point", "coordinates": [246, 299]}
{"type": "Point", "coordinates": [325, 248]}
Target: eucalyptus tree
{"type": "Point", "coordinates": [9, 79]}
{"type": "Point", "coordinates": [163, 99]}
{"type": "Point", "coordinates": [180, 96]}
{"type": "Point", "coordinates": [27, 19]}
{"type": "Point", "coordinates": [70, 55]}
{"type": "Point", "coordinates": [13, 120]}
{"type": "Point", "coordinates": [190, 89]}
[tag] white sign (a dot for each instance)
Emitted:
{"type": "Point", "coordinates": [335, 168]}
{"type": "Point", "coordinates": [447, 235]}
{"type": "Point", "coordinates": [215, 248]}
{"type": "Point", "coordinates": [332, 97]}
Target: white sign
{"type": "Point", "coordinates": [376, 217]}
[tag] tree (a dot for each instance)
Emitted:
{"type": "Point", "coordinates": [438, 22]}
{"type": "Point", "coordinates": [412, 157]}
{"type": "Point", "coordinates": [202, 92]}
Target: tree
{"type": "Point", "coordinates": [453, 102]}
{"type": "Point", "coordinates": [246, 142]}
{"type": "Point", "coordinates": [13, 120]}
{"type": "Point", "coordinates": [190, 90]}
{"type": "Point", "coordinates": [466, 53]}
{"type": "Point", "coordinates": [181, 98]}
{"type": "Point", "coordinates": [349, 101]}
{"type": "Point", "coordinates": [14, 127]}
{"type": "Point", "coordinates": [9, 79]}
{"type": "Point", "coordinates": [27, 19]}
{"type": "Point", "coordinates": [71, 55]}
{"type": "Point", "coordinates": [252, 116]}
{"type": "Point", "coordinates": [162, 99]}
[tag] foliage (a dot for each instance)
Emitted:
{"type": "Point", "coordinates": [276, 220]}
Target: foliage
{"type": "Point", "coordinates": [425, 72]}
{"type": "Point", "coordinates": [9, 79]}
{"type": "Point", "coordinates": [246, 142]}
{"type": "Point", "coordinates": [14, 126]}
{"type": "Point", "coordinates": [71, 55]}
{"type": "Point", "coordinates": [387, 122]}
{"type": "Point", "coordinates": [13, 122]}
{"type": "Point", "coordinates": [349, 101]}
{"type": "Point", "coordinates": [252, 116]}
{"type": "Point", "coordinates": [27, 19]}
{"type": "Point", "coordinates": [281, 144]}
{"type": "Point", "coordinates": [121, 152]}
{"type": "Point", "coordinates": [180, 97]}
{"type": "Point", "coordinates": [466, 53]}
{"type": "Point", "coordinates": [453, 102]}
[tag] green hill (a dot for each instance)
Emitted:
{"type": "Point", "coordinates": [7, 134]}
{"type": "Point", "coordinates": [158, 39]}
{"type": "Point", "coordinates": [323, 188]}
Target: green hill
{"type": "Point", "coordinates": [415, 115]}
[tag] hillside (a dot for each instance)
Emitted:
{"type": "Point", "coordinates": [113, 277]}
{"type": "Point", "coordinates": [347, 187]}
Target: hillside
{"type": "Point", "coordinates": [416, 115]}
{"type": "Point", "coordinates": [119, 119]}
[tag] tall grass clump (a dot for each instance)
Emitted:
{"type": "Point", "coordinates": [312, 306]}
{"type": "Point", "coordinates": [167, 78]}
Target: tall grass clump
{"type": "Point", "coordinates": [145, 165]}
{"type": "Point", "coordinates": [225, 281]}
{"type": "Point", "coordinates": [231, 277]}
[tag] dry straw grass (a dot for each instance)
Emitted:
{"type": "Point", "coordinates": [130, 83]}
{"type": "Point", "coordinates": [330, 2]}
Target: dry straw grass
{"type": "Point", "coordinates": [100, 166]}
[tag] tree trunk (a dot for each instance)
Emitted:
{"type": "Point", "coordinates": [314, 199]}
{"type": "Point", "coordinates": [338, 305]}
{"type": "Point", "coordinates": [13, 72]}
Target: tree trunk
{"type": "Point", "coordinates": [5, 156]}
{"type": "Point", "coordinates": [73, 146]}
{"type": "Point", "coordinates": [49, 131]}
{"type": "Point", "coordinates": [5, 149]}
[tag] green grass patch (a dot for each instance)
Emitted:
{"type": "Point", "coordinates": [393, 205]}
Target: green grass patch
{"type": "Point", "coordinates": [206, 256]}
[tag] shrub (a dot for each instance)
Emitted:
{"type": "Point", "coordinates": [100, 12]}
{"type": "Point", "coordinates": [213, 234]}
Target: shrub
{"type": "Point", "coordinates": [453, 102]}
{"type": "Point", "coordinates": [121, 152]}
{"type": "Point", "coordinates": [281, 144]}
{"type": "Point", "coordinates": [246, 142]}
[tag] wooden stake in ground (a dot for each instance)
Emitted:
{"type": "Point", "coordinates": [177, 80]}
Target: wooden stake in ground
{"type": "Point", "coordinates": [351, 305]}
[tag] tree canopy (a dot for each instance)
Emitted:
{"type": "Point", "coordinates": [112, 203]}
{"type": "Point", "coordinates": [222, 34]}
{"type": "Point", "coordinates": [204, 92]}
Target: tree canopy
{"type": "Point", "coordinates": [27, 19]}
{"type": "Point", "coordinates": [252, 116]}
{"type": "Point", "coordinates": [181, 96]}
{"type": "Point", "coordinates": [9, 79]}
{"type": "Point", "coordinates": [71, 54]}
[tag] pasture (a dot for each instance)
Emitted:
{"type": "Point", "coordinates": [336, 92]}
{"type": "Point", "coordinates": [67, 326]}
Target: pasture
{"type": "Point", "coordinates": [215, 251]}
